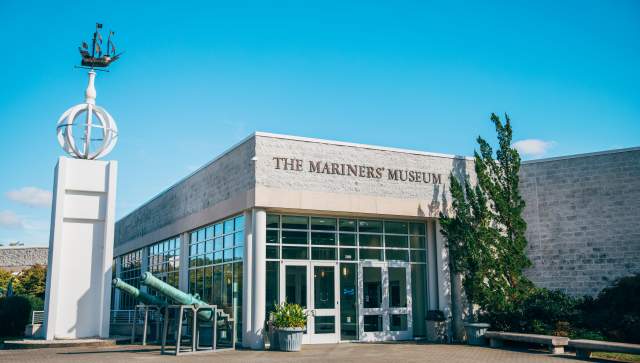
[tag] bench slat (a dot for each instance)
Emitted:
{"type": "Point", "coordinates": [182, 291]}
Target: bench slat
{"type": "Point", "coordinates": [528, 338]}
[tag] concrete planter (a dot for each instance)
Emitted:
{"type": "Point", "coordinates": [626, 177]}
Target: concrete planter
{"type": "Point", "coordinates": [274, 340]}
{"type": "Point", "coordinates": [475, 333]}
{"type": "Point", "coordinates": [436, 331]}
{"type": "Point", "coordinates": [290, 339]}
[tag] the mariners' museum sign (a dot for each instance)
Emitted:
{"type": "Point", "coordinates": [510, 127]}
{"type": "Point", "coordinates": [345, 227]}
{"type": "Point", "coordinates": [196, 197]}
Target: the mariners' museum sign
{"type": "Point", "coordinates": [357, 170]}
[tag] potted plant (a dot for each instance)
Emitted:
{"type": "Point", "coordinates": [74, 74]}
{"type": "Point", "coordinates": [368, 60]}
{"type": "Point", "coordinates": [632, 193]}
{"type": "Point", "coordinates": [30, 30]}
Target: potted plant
{"type": "Point", "coordinates": [289, 321]}
{"type": "Point", "coordinates": [436, 326]}
{"type": "Point", "coordinates": [475, 333]}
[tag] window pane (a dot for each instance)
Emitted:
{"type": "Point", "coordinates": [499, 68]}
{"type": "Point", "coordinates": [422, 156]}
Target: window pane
{"type": "Point", "coordinates": [294, 237]}
{"type": "Point", "coordinates": [217, 257]}
{"type": "Point", "coordinates": [228, 241]}
{"type": "Point", "coordinates": [398, 322]}
{"type": "Point", "coordinates": [228, 255]}
{"type": "Point", "coordinates": [318, 253]}
{"type": "Point", "coordinates": [217, 244]}
{"type": "Point", "coordinates": [397, 255]}
{"type": "Point", "coordinates": [372, 323]}
{"type": "Point", "coordinates": [209, 232]}
{"type": "Point", "coordinates": [323, 238]}
{"type": "Point", "coordinates": [417, 242]}
{"type": "Point", "coordinates": [397, 287]}
{"type": "Point", "coordinates": [296, 285]}
{"type": "Point", "coordinates": [295, 222]}
{"type": "Point", "coordinates": [295, 253]}
{"type": "Point", "coordinates": [349, 301]}
{"type": "Point", "coordinates": [418, 298]}
{"type": "Point", "coordinates": [396, 227]}
{"type": "Point", "coordinates": [370, 226]}
{"type": "Point", "coordinates": [325, 324]}
{"type": "Point", "coordinates": [347, 239]}
{"type": "Point", "coordinates": [218, 229]}
{"type": "Point", "coordinates": [348, 254]}
{"type": "Point", "coordinates": [228, 226]}
{"type": "Point", "coordinates": [272, 252]}
{"type": "Point", "coordinates": [418, 256]}
{"type": "Point", "coordinates": [370, 254]}
{"type": "Point", "coordinates": [239, 222]}
{"type": "Point", "coordinates": [370, 240]}
{"type": "Point", "coordinates": [372, 287]}
{"type": "Point", "coordinates": [347, 225]}
{"type": "Point", "coordinates": [272, 236]}
{"type": "Point", "coordinates": [272, 280]}
{"type": "Point", "coordinates": [324, 287]}
{"type": "Point", "coordinates": [418, 228]}
{"type": "Point", "coordinates": [396, 241]}
{"type": "Point", "coordinates": [323, 224]}
{"type": "Point", "coordinates": [273, 221]}
{"type": "Point", "coordinates": [238, 253]}
{"type": "Point", "coordinates": [201, 235]}
{"type": "Point", "coordinates": [239, 239]}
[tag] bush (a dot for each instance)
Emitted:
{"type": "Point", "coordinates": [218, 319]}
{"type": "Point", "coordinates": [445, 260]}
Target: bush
{"type": "Point", "coordinates": [289, 316]}
{"type": "Point", "coordinates": [15, 313]}
{"type": "Point", "coordinates": [616, 310]}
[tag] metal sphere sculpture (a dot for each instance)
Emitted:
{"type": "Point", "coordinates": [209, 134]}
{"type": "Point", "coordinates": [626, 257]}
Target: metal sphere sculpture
{"type": "Point", "coordinates": [98, 134]}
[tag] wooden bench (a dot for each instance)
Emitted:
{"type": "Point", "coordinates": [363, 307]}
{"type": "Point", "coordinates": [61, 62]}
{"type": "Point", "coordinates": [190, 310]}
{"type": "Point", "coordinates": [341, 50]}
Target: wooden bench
{"type": "Point", "coordinates": [556, 344]}
{"type": "Point", "coordinates": [584, 347]}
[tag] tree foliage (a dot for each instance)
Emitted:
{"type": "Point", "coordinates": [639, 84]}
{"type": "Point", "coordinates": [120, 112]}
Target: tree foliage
{"type": "Point", "coordinates": [32, 281]}
{"type": "Point", "coordinates": [485, 235]}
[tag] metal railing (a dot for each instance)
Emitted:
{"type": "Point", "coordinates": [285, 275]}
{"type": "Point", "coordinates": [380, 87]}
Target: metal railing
{"type": "Point", "coordinates": [128, 316]}
{"type": "Point", "coordinates": [37, 317]}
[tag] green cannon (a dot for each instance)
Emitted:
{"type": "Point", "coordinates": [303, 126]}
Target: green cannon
{"type": "Point", "coordinates": [178, 296]}
{"type": "Point", "coordinates": [141, 296]}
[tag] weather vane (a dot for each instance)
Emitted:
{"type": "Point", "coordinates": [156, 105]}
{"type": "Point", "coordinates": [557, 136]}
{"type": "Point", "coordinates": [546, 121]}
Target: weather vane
{"type": "Point", "coordinates": [97, 136]}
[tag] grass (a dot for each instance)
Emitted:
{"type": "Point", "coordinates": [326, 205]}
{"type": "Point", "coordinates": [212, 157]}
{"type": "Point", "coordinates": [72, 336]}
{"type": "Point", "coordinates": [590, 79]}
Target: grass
{"type": "Point", "coordinates": [620, 357]}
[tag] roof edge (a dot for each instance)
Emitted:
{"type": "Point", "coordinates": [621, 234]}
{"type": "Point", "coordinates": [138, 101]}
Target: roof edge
{"type": "Point", "coordinates": [584, 155]}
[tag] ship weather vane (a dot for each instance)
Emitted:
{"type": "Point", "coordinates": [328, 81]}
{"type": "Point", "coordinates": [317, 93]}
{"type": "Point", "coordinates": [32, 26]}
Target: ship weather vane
{"type": "Point", "coordinates": [87, 131]}
{"type": "Point", "coordinates": [94, 57]}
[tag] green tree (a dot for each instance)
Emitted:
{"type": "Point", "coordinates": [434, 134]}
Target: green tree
{"type": "Point", "coordinates": [5, 277]}
{"type": "Point", "coordinates": [32, 281]}
{"type": "Point", "coordinates": [485, 233]}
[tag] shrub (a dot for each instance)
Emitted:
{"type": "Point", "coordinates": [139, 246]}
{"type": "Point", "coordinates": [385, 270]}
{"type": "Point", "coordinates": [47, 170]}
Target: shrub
{"type": "Point", "coordinates": [288, 315]}
{"type": "Point", "coordinates": [15, 313]}
{"type": "Point", "coordinates": [616, 310]}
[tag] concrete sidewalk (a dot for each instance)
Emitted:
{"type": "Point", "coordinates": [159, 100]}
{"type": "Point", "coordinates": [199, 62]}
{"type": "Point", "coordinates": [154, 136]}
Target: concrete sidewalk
{"type": "Point", "coordinates": [335, 353]}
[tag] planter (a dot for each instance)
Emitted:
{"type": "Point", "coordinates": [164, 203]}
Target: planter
{"type": "Point", "coordinates": [274, 340]}
{"type": "Point", "coordinates": [475, 333]}
{"type": "Point", "coordinates": [290, 339]}
{"type": "Point", "coordinates": [436, 331]}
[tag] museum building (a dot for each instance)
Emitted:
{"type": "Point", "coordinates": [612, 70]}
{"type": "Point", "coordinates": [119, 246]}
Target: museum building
{"type": "Point", "coordinates": [348, 231]}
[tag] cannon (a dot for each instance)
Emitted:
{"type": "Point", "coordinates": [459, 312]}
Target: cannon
{"type": "Point", "coordinates": [179, 296]}
{"type": "Point", "coordinates": [142, 296]}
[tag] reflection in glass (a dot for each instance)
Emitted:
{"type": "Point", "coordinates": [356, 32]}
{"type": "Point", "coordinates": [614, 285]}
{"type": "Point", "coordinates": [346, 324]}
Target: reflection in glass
{"type": "Point", "coordinates": [272, 281]}
{"type": "Point", "coordinates": [323, 253]}
{"type": "Point", "coordinates": [295, 253]}
{"type": "Point", "coordinates": [294, 237]}
{"type": "Point", "coordinates": [296, 285]}
{"type": "Point", "coordinates": [323, 287]}
{"type": "Point", "coordinates": [372, 323]}
{"type": "Point", "coordinates": [372, 287]}
{"type": "Point", "coordinates": [323, 224]}
{"type": "Point", "coordinates": [398, 322]}
{"type": "Point", "coordinates": [325, 324]}
{"type": "Point", "coordinates": [397, 287]}
{"type": "Point", "coordinates": [295, 222]}
{"type": "Point", "coordinates": [348, 301]}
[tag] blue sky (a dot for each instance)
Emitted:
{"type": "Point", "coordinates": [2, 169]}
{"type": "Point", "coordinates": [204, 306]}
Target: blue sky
{"type": "Point", "coordinates": [198, 77]}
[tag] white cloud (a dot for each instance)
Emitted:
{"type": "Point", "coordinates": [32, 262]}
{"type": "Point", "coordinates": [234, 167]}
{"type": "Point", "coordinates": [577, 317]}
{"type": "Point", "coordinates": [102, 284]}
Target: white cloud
{"type": "Point", "coordinates": [30, 196]}
{"type": "Point", "coordinates": [533, 147]}
{"type": "Point", "coordinates": [10, 220]}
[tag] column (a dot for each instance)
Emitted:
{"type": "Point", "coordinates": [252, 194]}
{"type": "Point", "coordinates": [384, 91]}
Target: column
{"type": "Point", "coordinates": [247, 273]}
{"type": "Point", "coordinates": [117, 292]}
{"type": "Point", "coordinates": [183, 279]}
{"type": "Point", "coordinates": [432, 267]}
{"type": "Point", "coordinates": [444, 280]}
{"type": "Point", "coordinates": [259, 277]}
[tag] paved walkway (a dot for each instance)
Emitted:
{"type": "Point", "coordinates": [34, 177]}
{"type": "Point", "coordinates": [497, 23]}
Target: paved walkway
{"type": "Point", "coordinates": [335, 353]}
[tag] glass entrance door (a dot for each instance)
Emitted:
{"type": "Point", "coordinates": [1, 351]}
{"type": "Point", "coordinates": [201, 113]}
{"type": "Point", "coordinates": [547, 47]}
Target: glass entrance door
{"type": "Point", "coordinates": [314, 286]}
{"type": "Point", "coordinates": [385, 301]}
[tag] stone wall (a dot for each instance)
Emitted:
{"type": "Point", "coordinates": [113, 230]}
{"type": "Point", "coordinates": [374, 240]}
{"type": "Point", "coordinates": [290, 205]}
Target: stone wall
{"type": "Point", "coordinates": [19, 258]}
{"type": "Point", "coordinates": [324, 169]}
{"type": "Point", "coordinates": [583, 216]}
{"type": "Point", "coordinates": [228, 175]}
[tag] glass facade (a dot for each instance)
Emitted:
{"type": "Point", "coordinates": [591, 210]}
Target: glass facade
{"type": "Point", "coordinates": [215, 265]}
{"type": "Point", "coordinates": [130, 271]}
{"type": "Point", "coordinates": [350, 240]}
{"type": "Point", "coordinates": [164, 261]}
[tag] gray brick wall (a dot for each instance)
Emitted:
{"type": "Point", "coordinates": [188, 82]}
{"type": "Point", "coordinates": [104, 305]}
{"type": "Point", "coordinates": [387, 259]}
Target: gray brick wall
{"type": "Point", "coordinates": [583, 217]}
{"type": "Point", "coordinates": [228, 175]}
{"type": "Point", "coordinates": [18, 258]}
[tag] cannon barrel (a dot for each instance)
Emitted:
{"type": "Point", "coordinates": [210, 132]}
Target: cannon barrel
{"type": "Point", "coordinates": [176, 295]}
{"type": "Point", "coordinates": [142, 296]}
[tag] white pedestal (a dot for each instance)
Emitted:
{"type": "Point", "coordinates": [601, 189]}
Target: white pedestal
{"type": "Point", "coordinates": [78, 295]}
